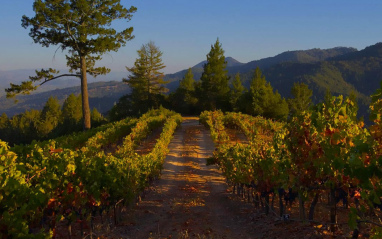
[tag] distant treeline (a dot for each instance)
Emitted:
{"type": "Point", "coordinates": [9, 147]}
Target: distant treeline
{"type": "Point", "coordinates": [214, 90]}
{"type": "Point", "coordinates": [52, 121]}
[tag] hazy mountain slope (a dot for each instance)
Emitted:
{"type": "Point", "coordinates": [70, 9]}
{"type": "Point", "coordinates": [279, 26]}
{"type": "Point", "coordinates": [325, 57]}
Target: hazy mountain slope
{"type": "Point", "coordinates": [359, 72]}
{"type": "Point", "coordinates": [301, 56]}
{"type": "Point", "coordinates": [17, 76]}
{"type": "Point", "coordinates": [102, 95]}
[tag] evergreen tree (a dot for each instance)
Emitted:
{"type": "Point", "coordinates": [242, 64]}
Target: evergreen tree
{"type": "Point", "coordinates": [280, 109]}
{"type": "Point", "coordinates": [214, 80]}
{"type": "Point", "coordinates": [146, 79]}
{"type": "Point", "coordinates": [237, 92]}
{"type": "Point", "coordinates": [97, 118]}
{"type": "Point", "coordinates": [28, 126]}
{"type": "Point", "coordinates": [83, 29]}
{"type": "Point", "coordinates": [183, 100]}
{"type": "Point", "coordinates": [188, 86]}
{"type": "Point", "coordinates": [188, 81]}
{"type": "Point", "coordinates": [50, 116]}
{"type": "Point", "coordinates": [71, 110]}
{"type": "Point", "coordinates": [265, 102]}
{"type": "Point", "coordinates": [261, 93]}
{"type": "Point", "coordinates": [302, 98]}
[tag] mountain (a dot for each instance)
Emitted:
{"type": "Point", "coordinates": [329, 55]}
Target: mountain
{"type": "Point", "coordinates": [17, 76]}
{"type": "Point", "coordinates": [359, 72]}
{"type": "Point", "coordinates": [233, 66]}
{"type": "Point", "coordinates": [102, 95]}
{"type": "Point", "coordinates": [300, 56]}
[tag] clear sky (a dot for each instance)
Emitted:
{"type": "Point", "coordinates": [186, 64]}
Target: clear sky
{"type": "Point", "coordinates": [185, 29]}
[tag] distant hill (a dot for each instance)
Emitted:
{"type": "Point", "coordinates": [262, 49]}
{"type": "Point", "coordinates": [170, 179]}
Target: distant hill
{"type": "Point", "coordinates": [233, 66]}
{"type": "Point", "coordinates": [359, 72]}
{"type": "Point", "coordinates": [102, 95]}
{"type": "Point", "coordinates": [17, 76]}
{"type": "Point", "coordinates": [300, 56]}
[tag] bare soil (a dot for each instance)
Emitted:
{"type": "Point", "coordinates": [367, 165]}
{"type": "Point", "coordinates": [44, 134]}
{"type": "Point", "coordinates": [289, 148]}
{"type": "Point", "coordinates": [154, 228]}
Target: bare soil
{"type": "Point", "coordinates": [191, 200]}
{"type": "Point", "coordinates": [147, 145]}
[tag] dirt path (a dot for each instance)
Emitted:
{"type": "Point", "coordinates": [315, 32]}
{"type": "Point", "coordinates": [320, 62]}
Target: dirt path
{"type": "Point", "coordinates": [191, 199]}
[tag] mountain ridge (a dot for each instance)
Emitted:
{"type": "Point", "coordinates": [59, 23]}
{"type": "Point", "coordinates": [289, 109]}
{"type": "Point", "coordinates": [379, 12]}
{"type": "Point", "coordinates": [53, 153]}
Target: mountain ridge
{"type": "Point", "coordinates": [341, 69]}
{"type": "Point", "coordinates": [300, 56]}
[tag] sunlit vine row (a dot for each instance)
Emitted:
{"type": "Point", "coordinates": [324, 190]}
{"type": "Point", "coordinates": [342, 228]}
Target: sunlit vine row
{"type": "Point", "coordinates": [323, 151]}
{"type": "Point", "coordinates": [51, 185]}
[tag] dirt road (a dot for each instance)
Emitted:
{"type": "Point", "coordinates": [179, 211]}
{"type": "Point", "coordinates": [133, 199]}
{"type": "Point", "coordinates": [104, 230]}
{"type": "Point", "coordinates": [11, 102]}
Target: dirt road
{"type": "Point", "coordinates": [190, 200]}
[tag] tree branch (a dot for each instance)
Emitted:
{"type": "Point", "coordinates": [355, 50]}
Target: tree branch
{"type": "Point", "coordinates": [27, 86]}
{"type": "Point", "coordinates": [53, 78]}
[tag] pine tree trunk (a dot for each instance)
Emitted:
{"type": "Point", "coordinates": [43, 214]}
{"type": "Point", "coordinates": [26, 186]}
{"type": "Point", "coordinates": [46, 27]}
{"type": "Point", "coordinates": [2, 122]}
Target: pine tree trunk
{"type": "Point", "coordinates": [84, 94]}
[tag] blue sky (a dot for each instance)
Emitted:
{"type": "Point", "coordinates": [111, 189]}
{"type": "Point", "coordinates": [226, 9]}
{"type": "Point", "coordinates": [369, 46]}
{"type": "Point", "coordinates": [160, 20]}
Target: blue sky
{"type": "Point", "coordinates": [184, 30]}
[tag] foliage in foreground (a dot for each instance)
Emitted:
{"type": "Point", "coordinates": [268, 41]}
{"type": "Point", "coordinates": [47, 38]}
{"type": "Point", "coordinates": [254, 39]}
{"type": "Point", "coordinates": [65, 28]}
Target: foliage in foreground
{"type": "Point", "coordinates": [51, 184]}
{"type": "Point", "coordinates": [325, 151]}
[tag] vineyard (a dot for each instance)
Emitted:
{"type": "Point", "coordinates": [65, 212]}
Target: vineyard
{"type": "Point", "coordinates": [322, 168]}
{"type": "Point", "coordinates": [326, 156]}
{"type": "Point", "coordinates": [74, 179]}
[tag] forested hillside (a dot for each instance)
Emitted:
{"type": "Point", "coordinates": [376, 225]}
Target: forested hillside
{"type": "Point", "coordinates": [340, 70]}
{"type": "Point", "coordinates": [358, 72]}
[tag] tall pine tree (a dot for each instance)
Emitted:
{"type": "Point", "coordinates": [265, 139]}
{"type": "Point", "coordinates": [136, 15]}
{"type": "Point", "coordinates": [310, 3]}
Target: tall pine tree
{"type": "Point", "coordinates": [82, 28]}
{"type": "Point", "coordinates": [214, 80]}
{"type": "Point", "coordinates": [146, 79]}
